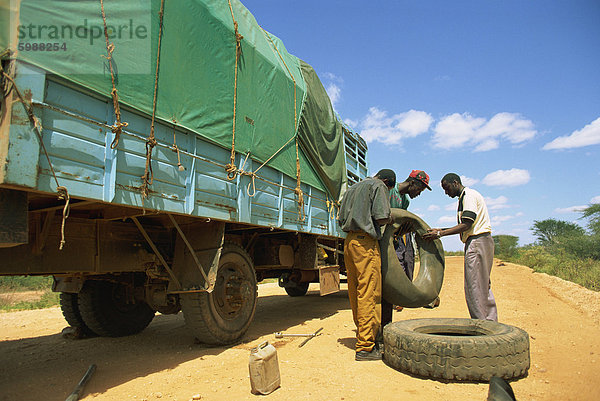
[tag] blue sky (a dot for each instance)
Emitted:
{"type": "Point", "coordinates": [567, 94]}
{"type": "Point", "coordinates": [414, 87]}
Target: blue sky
{"type": "Point", "coordinates": [504, 93]}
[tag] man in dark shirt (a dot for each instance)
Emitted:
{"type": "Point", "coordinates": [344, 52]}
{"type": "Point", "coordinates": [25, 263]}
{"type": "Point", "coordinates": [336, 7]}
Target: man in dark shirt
{"type": "Point", "coordinates": [365, 208]}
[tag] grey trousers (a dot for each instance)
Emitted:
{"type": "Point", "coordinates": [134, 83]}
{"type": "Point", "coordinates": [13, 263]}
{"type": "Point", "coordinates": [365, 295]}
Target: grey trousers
{"type": "Point", "coordinates": [479, 257]}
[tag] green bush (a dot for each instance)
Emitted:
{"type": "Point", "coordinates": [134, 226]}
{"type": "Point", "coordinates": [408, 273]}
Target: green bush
{"type": "Point", "coordinates": [582, 246]}
{"type": "Point", "coordinates": [15, 284]}
{"type": "Point", "coordinates": [505, 246]}
{"type": "Point", "coordinates": [583, 271]}
{"type": "Point", "coordinates": [24, 283]}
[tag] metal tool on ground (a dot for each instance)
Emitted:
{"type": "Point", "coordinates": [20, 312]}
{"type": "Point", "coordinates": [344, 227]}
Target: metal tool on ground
{"type": "Point", "coordinates": [311, 335]}
{"type": "Point", "coordinates": [74, 396]}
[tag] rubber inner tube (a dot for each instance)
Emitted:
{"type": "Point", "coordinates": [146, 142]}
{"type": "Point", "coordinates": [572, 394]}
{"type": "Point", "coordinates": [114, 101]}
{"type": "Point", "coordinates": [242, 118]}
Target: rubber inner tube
{"type": "Point", "coordinates": [397, 288]}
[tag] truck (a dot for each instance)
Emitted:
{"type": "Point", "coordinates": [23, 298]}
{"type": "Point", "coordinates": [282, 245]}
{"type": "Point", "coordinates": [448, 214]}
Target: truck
{"type": "Point", "coordinates": [164, 157]}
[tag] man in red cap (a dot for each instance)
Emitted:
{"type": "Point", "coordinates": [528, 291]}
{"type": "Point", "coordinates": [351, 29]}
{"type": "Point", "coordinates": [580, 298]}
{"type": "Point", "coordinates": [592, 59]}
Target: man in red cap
{"type": "Point", "coordinates": [412, 187]}
{"type": "Point", "coordinates": [400, 196]}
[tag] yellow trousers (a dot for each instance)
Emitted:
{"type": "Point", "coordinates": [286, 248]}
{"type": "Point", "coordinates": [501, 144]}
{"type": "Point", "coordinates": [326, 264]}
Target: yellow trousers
{"type": "Point", "coordinates": [363, 268]}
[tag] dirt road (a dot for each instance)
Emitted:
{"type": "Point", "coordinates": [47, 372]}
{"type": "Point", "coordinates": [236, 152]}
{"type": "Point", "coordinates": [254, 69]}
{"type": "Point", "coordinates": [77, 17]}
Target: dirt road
{"type": "Point", "coordinates": [163, 362]}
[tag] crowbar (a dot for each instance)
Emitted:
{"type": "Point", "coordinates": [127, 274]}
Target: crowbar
{"type": "Point", "coordinates": [74, 396]}
{"type": "Point", "coordinates": [311, 336]}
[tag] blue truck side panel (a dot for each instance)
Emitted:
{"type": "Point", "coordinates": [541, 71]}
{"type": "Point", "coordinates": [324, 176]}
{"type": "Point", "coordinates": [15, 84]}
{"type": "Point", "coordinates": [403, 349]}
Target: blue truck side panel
{"type": "Point", "coordinates": [77, 137]}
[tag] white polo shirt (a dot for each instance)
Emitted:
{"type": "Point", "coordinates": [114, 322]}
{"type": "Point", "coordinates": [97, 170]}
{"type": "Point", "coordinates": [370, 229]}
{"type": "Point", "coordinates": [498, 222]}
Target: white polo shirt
{"type": "Point", "coordinates": [471, 206]}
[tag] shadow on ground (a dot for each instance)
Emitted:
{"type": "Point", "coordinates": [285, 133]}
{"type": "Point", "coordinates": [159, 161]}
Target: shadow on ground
{"type": "Point", "coordinates": [32, 365]}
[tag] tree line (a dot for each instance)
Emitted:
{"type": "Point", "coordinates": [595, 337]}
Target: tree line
{"type": "Point", "coordinates": [564, 249]}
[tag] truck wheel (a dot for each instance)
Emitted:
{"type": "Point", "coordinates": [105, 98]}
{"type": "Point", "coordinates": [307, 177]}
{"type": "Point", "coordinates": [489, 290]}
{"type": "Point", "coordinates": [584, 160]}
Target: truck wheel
{"type": "Point", "coordinates": [70, 310]}
{"type": "Point", "coordinates": [457, 349]}
{"type": "Point", "coordinates": [106, 309]}
{"type": "Point", "coordinates": [297, 290]}
{"type": "Point", "coordinates": [224, 315]}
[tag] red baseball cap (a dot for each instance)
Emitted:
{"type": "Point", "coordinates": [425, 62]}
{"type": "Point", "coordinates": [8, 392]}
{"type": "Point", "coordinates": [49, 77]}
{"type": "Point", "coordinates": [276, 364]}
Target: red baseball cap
{"type": "Point", "coordinates": [422, 176]}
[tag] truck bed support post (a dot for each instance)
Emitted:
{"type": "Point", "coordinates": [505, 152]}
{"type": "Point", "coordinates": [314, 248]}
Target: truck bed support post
{"type": "Point", "coordinates": [156, 251]}
{"type": "Point", "coordinates": [209, 286]}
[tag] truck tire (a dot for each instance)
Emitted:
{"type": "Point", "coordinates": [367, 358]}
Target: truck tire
{"type": "Point", "coordinates": [397, 289]}
{"type": "Point", "coordinates": [224, 315]}
{"type": "Point", "coordinates": [105, 310]}
{"type": "Point", "coordinates": [70, 310]}
{"type": "Point", "coordinates": [457, 349]}
{"type": "Point", "coordinates": [298, 290]}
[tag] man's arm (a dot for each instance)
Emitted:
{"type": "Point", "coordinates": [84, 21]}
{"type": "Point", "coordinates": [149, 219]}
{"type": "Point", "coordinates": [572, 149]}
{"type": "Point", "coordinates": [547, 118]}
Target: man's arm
{"type": "Point", "coordinates": [380, 206]}
{"type": "Point", "coordinates": [435, 233]}
{"type": "Point", "coordinates": [382, 222]}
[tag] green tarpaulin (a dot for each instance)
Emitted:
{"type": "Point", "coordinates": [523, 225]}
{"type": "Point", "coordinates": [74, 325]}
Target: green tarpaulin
{"type": "Point", "coordinates": [196, 75]}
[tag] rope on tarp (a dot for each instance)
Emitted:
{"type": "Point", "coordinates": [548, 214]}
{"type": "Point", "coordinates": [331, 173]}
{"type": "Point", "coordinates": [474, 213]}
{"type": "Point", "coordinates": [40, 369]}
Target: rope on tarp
{"type": "Point", "coordinates": [148, 176]}
{"type": "Point", "coordinates": [116, 128]}
{"type": "Point", "coordinates": [175, 148]}
{"type": "Point", "coordinates": [63, 193]}
{"type": "Point", "coordinates": [298, 189]}
{"type": "Point", "coordinates": [231, 169]}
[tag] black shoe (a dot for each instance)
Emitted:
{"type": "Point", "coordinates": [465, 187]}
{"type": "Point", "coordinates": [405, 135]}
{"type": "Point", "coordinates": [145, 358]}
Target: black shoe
{"type": "Point", "coordinates": [373, 355]}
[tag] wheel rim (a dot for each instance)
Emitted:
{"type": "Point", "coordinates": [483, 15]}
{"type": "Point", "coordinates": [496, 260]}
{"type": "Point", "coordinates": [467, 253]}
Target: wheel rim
{"type": "Point", "coordinates": [232, 291]}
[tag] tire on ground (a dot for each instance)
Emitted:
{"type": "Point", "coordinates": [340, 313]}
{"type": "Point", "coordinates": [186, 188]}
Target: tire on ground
{"type": "Point", "coordinates": [224, 315]}
{"type": "Point", "coordinates": [457, 349]}
{"type": "Point", "coordinates": [70, 310]}
{"type": "Point", "coordinates": [106, 310]}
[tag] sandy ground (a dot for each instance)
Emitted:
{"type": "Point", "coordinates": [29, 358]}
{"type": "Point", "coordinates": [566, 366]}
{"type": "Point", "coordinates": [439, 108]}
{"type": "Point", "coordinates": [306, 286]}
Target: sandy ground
{"type": "Point", "coordinates": [164, 362]}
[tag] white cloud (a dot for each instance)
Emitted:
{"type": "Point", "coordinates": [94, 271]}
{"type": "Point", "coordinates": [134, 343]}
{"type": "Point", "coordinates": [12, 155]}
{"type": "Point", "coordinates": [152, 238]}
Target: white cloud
{"type": "Point", "coordinates": [332, 77]}
{"type": "Point", "coordinates": [497, 220]}
{"type": "Point", "coordinates": [433, 208]}
{"type": "Point", "coordinates": [467, 181]}
{"type": "Point", "coordinates": [507, 178]}
{"type": "Point", "coordinates": [571, 209]}
{"type": "Point", "coordinates": [588, 135]}
{"type": "Point", "coordinates": [595, 199]}
{"type": "Point", "coordinates": [351, 123]}
{"type": "Point", "coordinates": [497, 203]}
{"type": "Point", "coordinates": [464, 130]}
{"type": "Point", "coordinates": [378, 126]}
{"type": "Point", "coordinates": [333, 87]}
{"type": "Point", "coordinates": [451, 206]}
{"type": "Point", "coordinates": [334, 93]}
{"type": "Point", "coordinates": [447, 219]}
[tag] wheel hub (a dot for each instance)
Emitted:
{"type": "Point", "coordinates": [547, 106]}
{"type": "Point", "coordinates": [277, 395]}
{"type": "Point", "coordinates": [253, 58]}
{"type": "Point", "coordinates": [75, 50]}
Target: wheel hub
{"type": "Point", "coordinates": [231, 292]}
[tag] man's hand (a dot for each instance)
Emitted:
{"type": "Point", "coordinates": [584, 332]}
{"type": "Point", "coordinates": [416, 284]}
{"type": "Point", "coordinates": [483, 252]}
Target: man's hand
{"type": "Point", "coordinates": [432, 233]}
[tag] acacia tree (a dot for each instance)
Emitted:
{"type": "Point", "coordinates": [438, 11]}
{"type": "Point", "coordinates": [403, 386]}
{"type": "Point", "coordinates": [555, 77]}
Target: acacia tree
{"type": "Point", "coordinates": [592, 213]}
{"type": "Point", "coordinates": [505, 245]}
{"type": "Point", "coordinates": [549, 230]}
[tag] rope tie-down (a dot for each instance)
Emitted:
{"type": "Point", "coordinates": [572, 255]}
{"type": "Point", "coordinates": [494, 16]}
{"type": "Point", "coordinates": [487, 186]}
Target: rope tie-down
{"type": "Point", "coordinates": [298, 190]}
{"type": "Point", "coordinates": [62, 192]}
{"type": "Point", "coordinates": [116, 128]}
{"type": "Point", "coordinates": [148, 176]}
{"type": "Point", "coordinates": [231, 169]}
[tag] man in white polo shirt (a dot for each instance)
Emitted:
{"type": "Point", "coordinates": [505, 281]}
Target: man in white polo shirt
{"type": "Point", "coordinates": [475, 231]}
